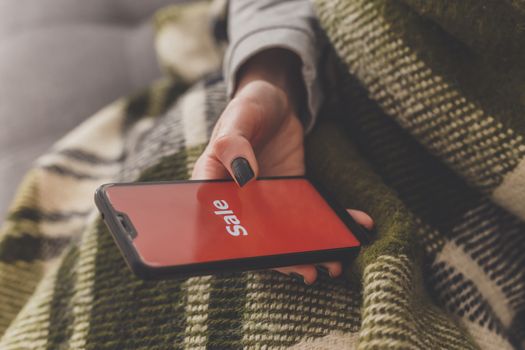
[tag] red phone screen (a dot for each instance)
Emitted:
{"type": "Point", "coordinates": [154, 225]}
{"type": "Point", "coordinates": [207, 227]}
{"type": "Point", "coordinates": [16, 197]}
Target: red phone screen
{"type": "Point", "coordinates": [194, 222]}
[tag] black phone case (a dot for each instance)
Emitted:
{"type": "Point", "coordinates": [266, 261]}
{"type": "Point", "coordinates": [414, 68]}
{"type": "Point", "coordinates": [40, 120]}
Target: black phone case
{"type": "Point", "coordinates": [147, 272]}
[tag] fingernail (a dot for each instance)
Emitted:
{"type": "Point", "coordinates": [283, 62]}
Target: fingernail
{"type": "Point", "coordinates": [297, 277]}
{"type": "Point", "coordinates": [242, 170]}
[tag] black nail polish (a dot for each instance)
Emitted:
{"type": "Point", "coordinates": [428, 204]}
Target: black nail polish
{"type": "Point", "coordinates": [242, 170]}
{"type": "Point", "coordinates": [297, 277]}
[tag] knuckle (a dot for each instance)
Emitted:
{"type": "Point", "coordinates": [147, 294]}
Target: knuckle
{"type": "Point", "coordinates": [248, 104]}
{"type": "Point", "coordinates": [200, 161]}
{"type": "Point", "coordinates": [221, 144]}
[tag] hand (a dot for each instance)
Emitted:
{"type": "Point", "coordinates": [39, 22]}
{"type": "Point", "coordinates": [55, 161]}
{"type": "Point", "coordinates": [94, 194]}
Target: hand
{"type": "Point", "coordinates": [260, 134]}
{"type": "Point", "coordinates": [260, 125]}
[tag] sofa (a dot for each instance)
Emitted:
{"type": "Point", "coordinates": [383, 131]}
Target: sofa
{"type": "Point", "coordinates": [61, 61]}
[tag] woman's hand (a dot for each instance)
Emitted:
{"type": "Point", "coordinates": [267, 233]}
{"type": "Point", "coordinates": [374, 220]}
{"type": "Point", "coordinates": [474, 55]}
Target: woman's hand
{"type": "Point", "coordinates": [260, 124]}
{"type": "Point", "coordinates": [260, 134]}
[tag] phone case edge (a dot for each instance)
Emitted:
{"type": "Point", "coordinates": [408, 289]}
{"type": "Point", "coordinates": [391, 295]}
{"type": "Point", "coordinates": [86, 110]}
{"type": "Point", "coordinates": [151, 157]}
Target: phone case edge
{"type": "Point", "coordinates": [148, 272]}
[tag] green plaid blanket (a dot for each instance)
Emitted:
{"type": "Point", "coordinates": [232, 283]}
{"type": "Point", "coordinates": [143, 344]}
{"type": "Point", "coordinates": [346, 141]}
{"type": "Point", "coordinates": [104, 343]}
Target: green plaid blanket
{"type": "Point", "coordinates": [423, 128]}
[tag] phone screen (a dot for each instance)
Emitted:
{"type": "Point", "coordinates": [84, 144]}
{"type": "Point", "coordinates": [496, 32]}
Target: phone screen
{"type": "Point", "coordinates": [194, 222]}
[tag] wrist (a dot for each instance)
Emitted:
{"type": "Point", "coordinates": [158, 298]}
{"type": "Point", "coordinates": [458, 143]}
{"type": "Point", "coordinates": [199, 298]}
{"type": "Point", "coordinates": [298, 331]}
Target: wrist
{"type": "Point", "coordinates": [279, 67]}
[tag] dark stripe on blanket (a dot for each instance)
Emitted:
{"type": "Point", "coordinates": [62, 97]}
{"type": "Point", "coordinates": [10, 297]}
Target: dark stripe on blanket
{"type": "Point", "coordinates": [168, 168]}
{"type": "Point", "coordinates": [215, 100]}
{"type": "Point", "coordinates": [37, 215]}
{"type": "Point", "coordinates": [432, 191]}
{"type": "Point", "coordinates": [61, 170]}
{"type": "Point", "coordinates": [89, 157]}
{"type": "Point", "coordinates": [462, 297]}
{"type": "Point", "coordinates": [175, 90]}
{"type": "Point", "coordinates": [516, 327]}
{"type": "Point", "coordinates": [137, 107]}
{"type": "Point", "coordinates": [225, 311]}
{"type": "Point", "coordinates": [129, 313]}
{"type": "Point", "coordinates": [140, 105]}
{"type": "Point", "coordinates": [503, 71]}
{"type": "Point", "coordinates": [27, 247]}
{"type": "Point", "coordinates": [494, 239]}
{"type": "Point", "coordinates": [213, 79]}
{"type": "Point", "coordinates": [405, 164]}
{"type": "Point", "coordinates": [61, 319]}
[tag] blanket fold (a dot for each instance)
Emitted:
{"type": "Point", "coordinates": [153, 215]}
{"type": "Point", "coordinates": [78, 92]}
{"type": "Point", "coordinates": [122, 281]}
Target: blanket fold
{"type": "Point", "coordinates": [423, 128]}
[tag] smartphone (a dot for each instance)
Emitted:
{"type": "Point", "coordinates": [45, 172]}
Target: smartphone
{"type": "Point", "coordinates": [196, 227]}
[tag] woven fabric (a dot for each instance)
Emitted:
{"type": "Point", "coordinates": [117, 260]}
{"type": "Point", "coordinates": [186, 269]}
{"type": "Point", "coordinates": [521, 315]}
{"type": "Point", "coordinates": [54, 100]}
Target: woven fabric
{"type": "Point", "coordinates": [422, 129]}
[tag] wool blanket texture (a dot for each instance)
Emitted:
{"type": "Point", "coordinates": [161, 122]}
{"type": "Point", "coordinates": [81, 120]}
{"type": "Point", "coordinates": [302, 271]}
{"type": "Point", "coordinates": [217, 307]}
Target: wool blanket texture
{"type": "Point", "coordinates": [423, 128]}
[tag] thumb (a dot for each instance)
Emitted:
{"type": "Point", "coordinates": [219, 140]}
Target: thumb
{"type": "Point", "coordinates": [248, 121]}
{"type": "Point", "coordinates": [230, 149]}
{"type": "Point", "coordinates": [366, 222]}
{"type": "Point", "coordinates": [236, 154]}
{"type": "Point", "coordinates": [362, 218]}
{"type": "Point", "coordinates": [225, 155]}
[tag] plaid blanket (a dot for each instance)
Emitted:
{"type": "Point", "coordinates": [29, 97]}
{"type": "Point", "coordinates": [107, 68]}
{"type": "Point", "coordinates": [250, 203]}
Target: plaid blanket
{"type": "Point", "coordinates": [423, 128]}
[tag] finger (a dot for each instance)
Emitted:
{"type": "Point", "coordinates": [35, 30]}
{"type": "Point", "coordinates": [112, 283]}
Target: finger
{"type": "Point", "coordinates": [333, 268]}
{"type": "Point", "coordinates": [242, 126]}
{"type": "Point", "coordinates": [246, 124]}
{"type": "Point", "coordinates": [362, 218]}
{"type": "Point", "coordinates": [231, 141]}
{"type": "Point", "coordinates": [235, 153]}
{"type": "Point", "coordinates": [207, 167]}
{"type": "Point", "coordinates": [257, 112]}
{"type": "Point", "coordinates": [308, 272]}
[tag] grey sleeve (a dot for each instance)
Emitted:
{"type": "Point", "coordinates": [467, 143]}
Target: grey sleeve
{"type": "Point", "coordinates": [257, 25]}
